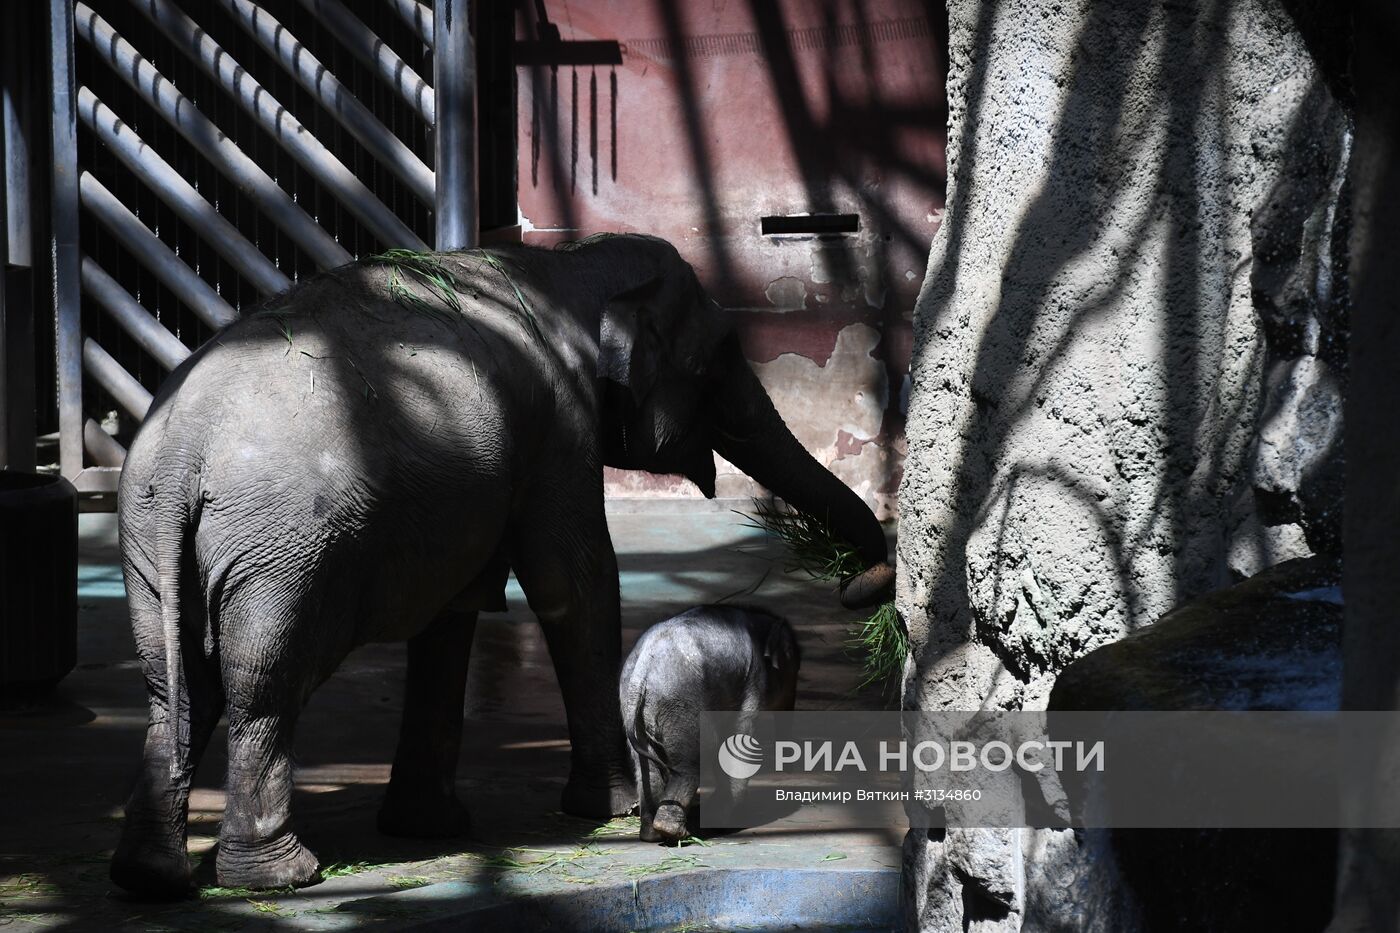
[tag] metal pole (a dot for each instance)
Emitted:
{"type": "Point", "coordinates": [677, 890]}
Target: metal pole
{"type": "Point", "coordinates": [18, 386]}
{"type": "Point", "coordinates": [196, 294]}
{"type": "Point", "coordinates": [341, 183]}
{"type": "Point", "coordinates": [5, 349]}
{"type": "Point", "coordinates": [119, 383]}
{"type": "Point", "coordinates": [179, 195]}
{"type": "Point", "coordinates": [350, 31]}
{"type": "Point", "coordinates": [418, 17]}
{"type": "Point", "coordinates": [182, 114]}
{"type": "Point", "coordinates": [454, 86]}
{"type": "Point", "coordinates": [140, 324]}
{"type": "Point", "coordinates": [63, 239]}
{"type": "Point", "coordinates": [101, 446]}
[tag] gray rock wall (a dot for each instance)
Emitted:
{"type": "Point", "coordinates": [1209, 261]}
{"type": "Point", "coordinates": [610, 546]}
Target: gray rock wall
{"type": "Point", "coordinates": [1089, 376]}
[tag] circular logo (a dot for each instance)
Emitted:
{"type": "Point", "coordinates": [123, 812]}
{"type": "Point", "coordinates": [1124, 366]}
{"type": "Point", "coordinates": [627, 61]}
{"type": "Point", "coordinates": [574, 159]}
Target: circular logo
{"type": "Point", "coordinates": [740, 756]}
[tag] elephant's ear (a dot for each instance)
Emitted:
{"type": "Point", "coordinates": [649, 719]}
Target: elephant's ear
{"type": "Point", "coordinates": [628, 346]}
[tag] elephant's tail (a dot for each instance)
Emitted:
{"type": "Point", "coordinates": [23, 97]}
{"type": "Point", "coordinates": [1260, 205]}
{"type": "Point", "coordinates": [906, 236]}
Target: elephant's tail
{"type": "Point", "coordinates": [172, 518]}
{"type": "Point", "coordinates": [639, 739]}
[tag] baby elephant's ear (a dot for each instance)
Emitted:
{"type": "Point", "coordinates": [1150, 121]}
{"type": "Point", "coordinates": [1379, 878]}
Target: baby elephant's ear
{"type": "Point", "coordinates": [780, 649]}
{"type": "Point", "coordinates": [628, 347]}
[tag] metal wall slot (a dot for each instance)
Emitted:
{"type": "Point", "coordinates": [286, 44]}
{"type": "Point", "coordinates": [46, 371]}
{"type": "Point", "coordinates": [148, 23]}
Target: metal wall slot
{"type": "Point", "coordinates": [810, 224]}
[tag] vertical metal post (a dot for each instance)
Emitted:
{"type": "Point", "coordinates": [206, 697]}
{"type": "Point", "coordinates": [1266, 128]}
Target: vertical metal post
{"type": "Point", "coordinates": [17, 383]}
{"type": "Point", "coordinates": [63, 237]}
{"type": "Point", "coordinates": [454, 89]}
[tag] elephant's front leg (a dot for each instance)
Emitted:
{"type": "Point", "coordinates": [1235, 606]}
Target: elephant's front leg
{"type": "Point", "coordinates": [422, 799]}
{"type": "Point", "coordinates": [564, 561]}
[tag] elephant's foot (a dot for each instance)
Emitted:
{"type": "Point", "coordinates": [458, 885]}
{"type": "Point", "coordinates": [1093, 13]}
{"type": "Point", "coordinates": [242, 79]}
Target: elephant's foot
{"type": "Point", "coordinates": [280, 862]}
{"type": "Point", "coordinates": [422, 815]}
{"type": "Point", "coordinates": [669, 822]}
{"type": "Point", "coordinates": [599, 798]}
{"type": "Point", "coordinates": [151, 864]}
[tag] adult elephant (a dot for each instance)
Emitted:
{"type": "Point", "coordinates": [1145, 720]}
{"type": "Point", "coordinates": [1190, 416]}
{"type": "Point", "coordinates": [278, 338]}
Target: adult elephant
{"type": "Point", "coordinates": [364, 459]}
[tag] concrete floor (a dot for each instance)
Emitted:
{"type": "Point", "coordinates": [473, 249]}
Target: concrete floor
{"type": "Point", "coordinates": [65, 766]}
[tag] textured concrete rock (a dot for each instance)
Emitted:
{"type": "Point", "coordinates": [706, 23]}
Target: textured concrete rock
{"type": "Point", "coordinates": [1089, 368]}
{"type": "Point", "coordinates": [1066, 881]}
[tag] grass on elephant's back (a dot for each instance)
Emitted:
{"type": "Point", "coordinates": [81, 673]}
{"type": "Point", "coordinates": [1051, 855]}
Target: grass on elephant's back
{"type": "Point", "coordinates": [442, 283]}
{"type": "Point", "coordinates": [879, 641]}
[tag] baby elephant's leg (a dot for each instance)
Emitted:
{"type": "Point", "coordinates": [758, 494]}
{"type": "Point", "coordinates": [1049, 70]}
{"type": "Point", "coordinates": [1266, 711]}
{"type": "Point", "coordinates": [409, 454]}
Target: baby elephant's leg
{"type": "Point", "coordinates": [678, 804]}
{"type": "Point", "coordinates": [651, 787]}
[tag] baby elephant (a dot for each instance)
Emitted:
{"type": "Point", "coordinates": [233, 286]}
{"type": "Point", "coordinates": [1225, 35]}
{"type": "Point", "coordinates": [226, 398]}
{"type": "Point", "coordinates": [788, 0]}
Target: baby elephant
{"type": "Point", "coordinates": [706, 658]}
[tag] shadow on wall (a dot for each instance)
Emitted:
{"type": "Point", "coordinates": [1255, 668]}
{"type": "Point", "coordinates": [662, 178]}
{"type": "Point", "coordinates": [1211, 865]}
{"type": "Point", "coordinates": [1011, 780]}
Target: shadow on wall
{"type": "Point", "coordinates": [1087, 433]}
{"type": "Point", "coordinates": [692, 124]}
{"type": "Point", "coordinates": [1086, 445]}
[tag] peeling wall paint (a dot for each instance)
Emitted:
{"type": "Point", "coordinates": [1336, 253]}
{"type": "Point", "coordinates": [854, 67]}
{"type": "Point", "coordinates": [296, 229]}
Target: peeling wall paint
{"type": "Point", "coordinates": [720, 115]}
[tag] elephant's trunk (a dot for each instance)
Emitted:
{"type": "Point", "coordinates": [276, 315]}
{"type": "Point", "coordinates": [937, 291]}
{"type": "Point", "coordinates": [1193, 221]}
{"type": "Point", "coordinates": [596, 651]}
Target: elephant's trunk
{"type": "Point", "coordinates": [749, 433]}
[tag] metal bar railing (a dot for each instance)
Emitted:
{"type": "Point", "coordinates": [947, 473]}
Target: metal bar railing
{"type": "Point", "coordinates": [179, 195]}
{"type": "Point", "coordinates": [196, 294]}
{"type": "Point", "coordinates": [63, 233]}
{"type": "Point", "coordinates": [119, 383]}
{"type": "Point", "coordinates": [454, 80]}
{"type": "Point", "coordinates": [101, 446]}
{"type": "Point", "coordinates": [151, 335]}
{"type": "Point", "coordinates": [360, 41]}
{"type": "Point", "coordinates": [185, 117]}
{"type": "Point", "coordinates": [418, 17]}
{"type": "Point", "coordinates": [309, 152]}
{"type": "Point", "coordinates": [297, 60]}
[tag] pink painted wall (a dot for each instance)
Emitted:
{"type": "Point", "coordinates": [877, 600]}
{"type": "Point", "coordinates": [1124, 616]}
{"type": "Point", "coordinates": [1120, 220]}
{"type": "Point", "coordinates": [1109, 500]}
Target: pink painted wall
{"type": "Point", "coordinates": [720, 113]}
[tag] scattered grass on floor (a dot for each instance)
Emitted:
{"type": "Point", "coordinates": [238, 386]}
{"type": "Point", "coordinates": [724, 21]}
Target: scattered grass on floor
{"type": "Point", "coordinates": [550, 861]}
{"type": "Point", "coordinates": [409, 881]}
{"type": "Point", "coordinates": [266, 907]}
{"type": "Point", "coordinates": [345, 869]}
{"type": "Point", "coordinates": [617, 826]}
{"type": "Point", "coordinates": [26, 886]}
{"type": "Point", "coordinates": [669, 863]}
{"type": "Point", "coordinates": [214, 891]}
{"type": "Point", "coordinates": [693, 841]}
{"type": "Point", "coordinates": [832, 857]}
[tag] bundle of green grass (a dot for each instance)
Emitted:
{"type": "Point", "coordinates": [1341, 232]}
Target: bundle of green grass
{"type": "Point", "coordinates": [814, 549]}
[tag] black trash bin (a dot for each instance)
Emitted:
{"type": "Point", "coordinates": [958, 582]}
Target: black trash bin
{"type": "Point", "coordinates": [38, 581]}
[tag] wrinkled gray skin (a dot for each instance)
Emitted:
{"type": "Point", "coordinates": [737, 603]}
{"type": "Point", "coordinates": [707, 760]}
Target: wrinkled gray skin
{"type": "Point", "coordinates": [344, 466]}
{"type": "Point", "coordinates": [706, 658]}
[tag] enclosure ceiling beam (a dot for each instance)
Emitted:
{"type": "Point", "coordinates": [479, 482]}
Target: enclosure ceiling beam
{"type": "Point", "coordinates": [119, 383]}
{"type": "Point", "coordinates": [101, 446]}
{"type": "Point", "coordinates": [418, 17]}
{"type": "Point", "coordinates": [179, 195]}
{"type": "Point", "coordinates": [196, 294]}
{"type": "Point", "coordinates": [375, 54]}
{"type": "Point", "coordinates": [182, 114]}
{"type": "Point", "coordinates": [151, 335]}
{"type": "Point", "coordinates": [309, 152]}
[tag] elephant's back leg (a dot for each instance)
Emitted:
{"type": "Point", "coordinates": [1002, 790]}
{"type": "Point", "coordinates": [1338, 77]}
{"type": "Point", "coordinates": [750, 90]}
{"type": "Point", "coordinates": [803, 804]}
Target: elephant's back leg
{"type": "Point", "coordinates": [151, 858]}
{"type": "Point", "coordinates": [281, 633]}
